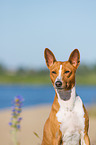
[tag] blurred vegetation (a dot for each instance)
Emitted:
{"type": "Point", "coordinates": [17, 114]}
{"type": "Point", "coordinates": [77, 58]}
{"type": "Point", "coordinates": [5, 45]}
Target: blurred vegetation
{"type": "Point", "coordinates": [85, 75]}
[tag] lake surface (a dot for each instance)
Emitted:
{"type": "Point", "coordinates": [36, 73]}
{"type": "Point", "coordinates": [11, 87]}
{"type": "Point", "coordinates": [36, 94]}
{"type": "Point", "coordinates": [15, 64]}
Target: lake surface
{"type": "Point", "coordinates": [36, 95]}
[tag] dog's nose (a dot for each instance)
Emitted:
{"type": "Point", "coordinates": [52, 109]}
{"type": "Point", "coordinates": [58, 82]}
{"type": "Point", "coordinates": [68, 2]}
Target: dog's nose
{"type": "Point", "coordinates": [58, 83]}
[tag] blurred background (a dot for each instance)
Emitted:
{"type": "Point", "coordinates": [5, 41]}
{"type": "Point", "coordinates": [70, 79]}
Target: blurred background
{"type": "Point", "coordinates": [27, 27]}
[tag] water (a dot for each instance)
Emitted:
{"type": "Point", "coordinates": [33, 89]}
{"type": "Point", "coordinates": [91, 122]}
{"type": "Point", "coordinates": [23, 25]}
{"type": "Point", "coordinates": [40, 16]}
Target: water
{"type": "Point", "coordinates": [34, 95]}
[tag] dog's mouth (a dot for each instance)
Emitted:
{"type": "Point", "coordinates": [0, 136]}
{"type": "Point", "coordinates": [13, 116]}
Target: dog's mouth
{"type": "Point", "coordinates": [66, 88]}
{"type": "Point", "coordinates": [59, 88]}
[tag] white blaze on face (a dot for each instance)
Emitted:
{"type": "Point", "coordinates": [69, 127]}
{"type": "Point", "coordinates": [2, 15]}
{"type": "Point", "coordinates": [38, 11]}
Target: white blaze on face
{"type": "Point", "coordinates": [59, 77]}
{"type": "Point", "coordinates": [60, 71]}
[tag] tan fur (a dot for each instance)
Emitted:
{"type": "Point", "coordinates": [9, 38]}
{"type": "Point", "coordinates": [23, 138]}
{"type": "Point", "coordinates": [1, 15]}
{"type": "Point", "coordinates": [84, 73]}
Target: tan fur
{"type": "Point", "coordinates": [51, 133]}
{"type": "Point", "coordinates": [86, 137]}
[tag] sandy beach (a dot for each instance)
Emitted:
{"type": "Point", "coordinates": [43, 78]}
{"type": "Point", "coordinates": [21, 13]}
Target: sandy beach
{"type": "Point", "coordinates": [33, 121]}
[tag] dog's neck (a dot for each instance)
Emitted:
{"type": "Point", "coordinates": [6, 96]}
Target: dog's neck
{"type": "Point", "coordinates": [66, 99]}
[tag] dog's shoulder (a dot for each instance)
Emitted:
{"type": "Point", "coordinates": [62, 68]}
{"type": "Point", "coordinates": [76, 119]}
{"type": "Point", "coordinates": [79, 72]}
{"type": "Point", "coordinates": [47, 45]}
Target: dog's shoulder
{"type": "Point", "coordinates": [78, 105]}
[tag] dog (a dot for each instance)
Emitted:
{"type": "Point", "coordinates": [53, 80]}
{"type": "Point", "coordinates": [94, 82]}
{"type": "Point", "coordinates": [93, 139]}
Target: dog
{"type": "Point", "coordinates": [68, 120]}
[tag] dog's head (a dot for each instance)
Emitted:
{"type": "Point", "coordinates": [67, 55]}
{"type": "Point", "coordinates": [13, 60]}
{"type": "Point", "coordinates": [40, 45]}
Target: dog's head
{"type": "Point", "coordinates": [62, 74]}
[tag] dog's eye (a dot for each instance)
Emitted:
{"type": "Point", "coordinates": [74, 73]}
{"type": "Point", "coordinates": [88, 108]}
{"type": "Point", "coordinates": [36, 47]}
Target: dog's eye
{"type": "Point", "coordinates": [53, 72]}
{"type": "Point", "coordinates": [66, 72]}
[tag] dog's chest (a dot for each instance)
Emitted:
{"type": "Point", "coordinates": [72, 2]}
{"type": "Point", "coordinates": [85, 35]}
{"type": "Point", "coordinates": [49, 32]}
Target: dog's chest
{"type": "Point", "coordinates": [71, 121]}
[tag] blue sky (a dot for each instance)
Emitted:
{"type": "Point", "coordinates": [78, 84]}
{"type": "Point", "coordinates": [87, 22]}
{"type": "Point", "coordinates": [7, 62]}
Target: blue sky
{"type": "Point", "coordinates": [27, 27]}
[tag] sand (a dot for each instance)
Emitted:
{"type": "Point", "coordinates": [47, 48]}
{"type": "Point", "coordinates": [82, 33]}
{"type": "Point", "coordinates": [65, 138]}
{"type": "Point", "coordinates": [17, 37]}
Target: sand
{"type": "Point", "coordinates": [33, 121]}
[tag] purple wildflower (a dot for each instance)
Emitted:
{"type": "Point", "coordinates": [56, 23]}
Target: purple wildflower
{"type": "Point", "coordinates": [19, 119]}
{"type": "Point", "coordinates": [18, 126]}
{"type": "Point", "coordinates": [10, 123]}
{"type": "Point", "coordinates": [16, 110]}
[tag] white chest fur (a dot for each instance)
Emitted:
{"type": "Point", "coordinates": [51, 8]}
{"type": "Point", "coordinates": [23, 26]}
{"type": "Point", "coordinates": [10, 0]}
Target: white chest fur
{"type": "Point", "coordinates": [71, 118]}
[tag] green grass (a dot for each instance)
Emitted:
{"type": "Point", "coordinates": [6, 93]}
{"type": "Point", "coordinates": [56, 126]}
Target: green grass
{"type": "Point", "coordinates": [24, 79]}
{"type": "Point", "coordinates": [89, 79]}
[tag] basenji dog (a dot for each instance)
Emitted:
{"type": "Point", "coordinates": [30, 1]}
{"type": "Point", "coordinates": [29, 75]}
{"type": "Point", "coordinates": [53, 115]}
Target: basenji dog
{"type": "Point", "coordinates": [68, 120]}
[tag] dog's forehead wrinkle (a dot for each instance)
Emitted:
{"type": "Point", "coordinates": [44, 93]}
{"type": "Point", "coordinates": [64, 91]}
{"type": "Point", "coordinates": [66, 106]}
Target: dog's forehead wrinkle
{"type": "Point", "coordinates": [56, 65]}
{"type": "Point", "coordinates": [64, 64]}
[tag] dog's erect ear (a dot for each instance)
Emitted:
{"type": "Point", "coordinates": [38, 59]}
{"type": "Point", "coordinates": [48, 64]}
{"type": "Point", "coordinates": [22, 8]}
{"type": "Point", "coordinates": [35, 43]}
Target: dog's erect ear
{"type": "Point", "coordinates": [74, 58]}
{"type": "Point", "coordinates": [49, 57]}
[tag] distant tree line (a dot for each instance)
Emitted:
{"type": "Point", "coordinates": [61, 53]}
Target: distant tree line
{"type": "Point", "coordinates": [82, 70]}
{"type": "Point", "coordinates": [22, 71]}
{"type": "Point", "coordinates": [85, 69]}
